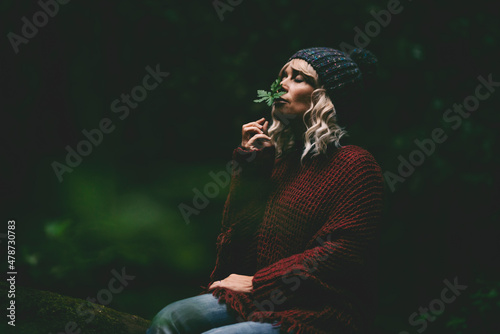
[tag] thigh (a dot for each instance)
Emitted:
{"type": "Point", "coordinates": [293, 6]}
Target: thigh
{"type": "Point", "coordinates": [247, 327]}
{"type": "Point", "coordinates": [191, 315]}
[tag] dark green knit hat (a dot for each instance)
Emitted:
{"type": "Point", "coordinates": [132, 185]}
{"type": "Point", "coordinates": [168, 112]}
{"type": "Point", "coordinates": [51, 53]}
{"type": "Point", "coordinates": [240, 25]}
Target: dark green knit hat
{"type": "Point", "coordinates": [341, 74]}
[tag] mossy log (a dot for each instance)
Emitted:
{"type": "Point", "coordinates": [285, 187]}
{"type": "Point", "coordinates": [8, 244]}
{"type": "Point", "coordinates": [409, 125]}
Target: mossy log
{"type": "Point", "coordinates": [47, 312]}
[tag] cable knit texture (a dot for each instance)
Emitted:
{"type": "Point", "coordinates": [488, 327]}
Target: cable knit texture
{"type": "Point", "coordinates": [308, 236]}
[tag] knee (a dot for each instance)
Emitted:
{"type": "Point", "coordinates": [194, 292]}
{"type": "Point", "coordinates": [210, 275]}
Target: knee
{"type": "Point", "coordinates": [166, 321]}
{"type": "Point", "coordinates": [183, 316]}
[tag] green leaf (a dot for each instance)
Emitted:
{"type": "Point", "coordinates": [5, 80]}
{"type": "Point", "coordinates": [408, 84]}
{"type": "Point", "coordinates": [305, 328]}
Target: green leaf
{"type": "Point", "coordinates": [275, 86]}
{"type": "Point", "coordinates": [269, 97]}
{"type": "Point", "coordinates": [260, 100]}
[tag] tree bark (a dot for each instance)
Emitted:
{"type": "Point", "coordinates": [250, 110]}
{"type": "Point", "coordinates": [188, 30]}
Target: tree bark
{"type": "Point", "coordinates": [47, 312]}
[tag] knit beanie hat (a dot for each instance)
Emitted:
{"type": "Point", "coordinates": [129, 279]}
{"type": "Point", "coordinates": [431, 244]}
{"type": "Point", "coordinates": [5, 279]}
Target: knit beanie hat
{"type": "Point", "coordinates": [341, 74]}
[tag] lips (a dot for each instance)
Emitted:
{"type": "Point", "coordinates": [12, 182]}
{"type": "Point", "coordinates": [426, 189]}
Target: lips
{"type": "Point", "coordinates": [280, 100]}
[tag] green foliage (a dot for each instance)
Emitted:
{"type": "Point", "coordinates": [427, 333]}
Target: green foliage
{"type": "Point", "coordinates": [478, 314]}
{"type": "Point", "coordinates": [269, 97]}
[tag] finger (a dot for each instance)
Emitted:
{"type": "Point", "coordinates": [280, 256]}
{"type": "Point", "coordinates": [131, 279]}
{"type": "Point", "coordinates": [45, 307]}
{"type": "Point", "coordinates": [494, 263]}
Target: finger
{"type": "Point", "coordinates": [259, 136]}
{"type": "Point", "coordinates": [266, 125]}
{"type": "Point", "coordinates": [252, 124]}
{"type": "Point", "coordinates": [214, 285]}
{"type": "Point", "coordinates": [252, 130]}
{"type": "Point", "coordinates": [261, 120]}
{"type": "Point", "coordinates": [257, 139]}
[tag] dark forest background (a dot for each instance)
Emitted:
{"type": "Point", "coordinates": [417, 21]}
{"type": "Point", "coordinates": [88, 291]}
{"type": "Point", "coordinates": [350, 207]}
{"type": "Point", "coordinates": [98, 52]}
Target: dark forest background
{"type": "Point", "coordinates": [120, 206]}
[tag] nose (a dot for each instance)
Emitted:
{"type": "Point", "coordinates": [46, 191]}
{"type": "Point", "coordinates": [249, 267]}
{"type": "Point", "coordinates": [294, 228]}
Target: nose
{"type": "Point", "coordinates": [284, 84]}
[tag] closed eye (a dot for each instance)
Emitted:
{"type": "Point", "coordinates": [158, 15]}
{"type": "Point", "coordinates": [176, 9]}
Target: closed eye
{"type": "Point", "coordinates": [297, 77]}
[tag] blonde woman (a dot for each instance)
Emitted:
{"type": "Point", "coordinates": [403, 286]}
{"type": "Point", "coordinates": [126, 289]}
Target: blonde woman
{"type": "Point", "coordinates": [300, 222]}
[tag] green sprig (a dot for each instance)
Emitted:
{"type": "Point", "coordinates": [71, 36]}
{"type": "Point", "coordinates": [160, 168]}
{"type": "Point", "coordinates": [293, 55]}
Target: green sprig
{"type": "Point", "coordinates": [269, 97]}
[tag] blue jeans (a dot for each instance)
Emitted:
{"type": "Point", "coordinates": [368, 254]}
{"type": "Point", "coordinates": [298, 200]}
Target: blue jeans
{"type": "Point", "coordinates": [203, 314]}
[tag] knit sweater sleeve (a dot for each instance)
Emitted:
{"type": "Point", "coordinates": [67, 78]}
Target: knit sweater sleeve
{"type": "Point", "coordinates": [243, 211]}
{"type": "Point", "coordinates": [339, 249]}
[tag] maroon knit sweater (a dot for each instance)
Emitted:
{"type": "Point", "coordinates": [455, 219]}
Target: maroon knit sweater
{"type": "Point", "coordinates": [306, 234]}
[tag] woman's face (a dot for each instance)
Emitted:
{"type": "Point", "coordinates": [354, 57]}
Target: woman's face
{"type": "Point", "coordinates": [298, 91]}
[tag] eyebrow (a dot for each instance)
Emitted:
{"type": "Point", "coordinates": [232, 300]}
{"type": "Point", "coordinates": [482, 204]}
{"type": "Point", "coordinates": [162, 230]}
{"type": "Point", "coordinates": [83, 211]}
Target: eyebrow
{"type": "Point", "coordinates": [294, 72]}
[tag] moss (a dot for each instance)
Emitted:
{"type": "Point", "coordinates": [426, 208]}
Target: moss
{"type": "Point", "coordinates": [47, 312]}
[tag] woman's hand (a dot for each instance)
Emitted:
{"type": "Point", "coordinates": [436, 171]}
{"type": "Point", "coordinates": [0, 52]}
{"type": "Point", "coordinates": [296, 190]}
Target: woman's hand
{"type": "Point", "coordinates": [255, 136]}
{"type": "Point", "coordinates": [235, 282]}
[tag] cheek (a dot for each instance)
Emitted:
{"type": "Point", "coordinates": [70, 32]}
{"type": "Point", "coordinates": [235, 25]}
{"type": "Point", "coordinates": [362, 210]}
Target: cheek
{"type": "Point", "coordinates": [304, 96]}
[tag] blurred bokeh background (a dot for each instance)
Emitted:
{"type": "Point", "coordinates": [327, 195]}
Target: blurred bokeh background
{"type": "Point", "coordinates": [120, 206]}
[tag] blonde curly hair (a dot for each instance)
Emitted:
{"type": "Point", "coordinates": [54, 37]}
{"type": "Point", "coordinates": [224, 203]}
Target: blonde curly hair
{"type": "Point", "coordinates": [320, 119]}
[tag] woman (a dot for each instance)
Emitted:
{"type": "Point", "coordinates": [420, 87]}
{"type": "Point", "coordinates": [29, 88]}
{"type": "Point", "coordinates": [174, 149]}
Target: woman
{"type": "Point", "coordinates": [300, 221]}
